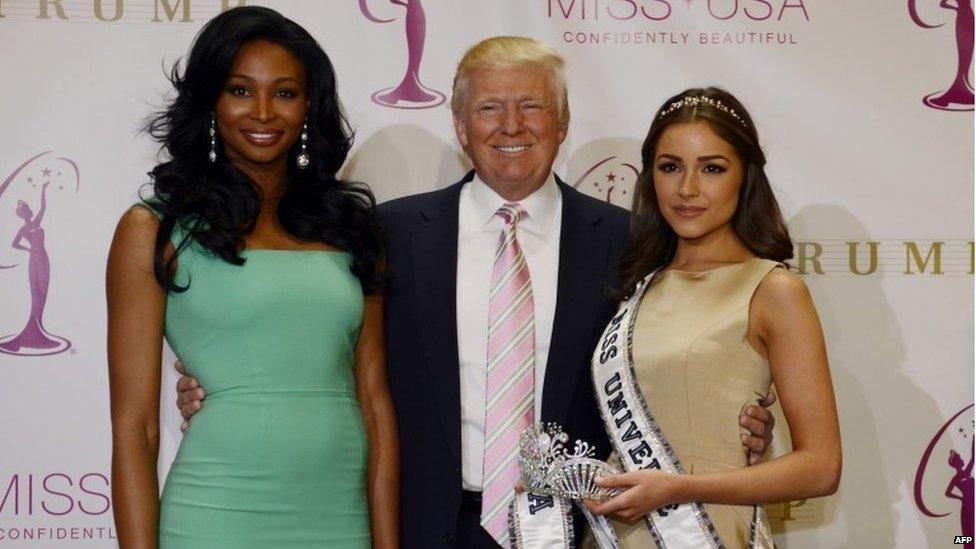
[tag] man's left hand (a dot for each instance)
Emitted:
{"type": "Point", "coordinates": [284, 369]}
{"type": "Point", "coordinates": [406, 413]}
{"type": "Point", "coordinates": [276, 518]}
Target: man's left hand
{"type": "Point", "coordinates": [757, 424]}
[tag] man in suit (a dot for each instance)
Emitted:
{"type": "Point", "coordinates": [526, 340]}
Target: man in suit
{"type": "Point", "coordinates": [497, 295]}
{"type": "Point", "coordinates": [510, 116]}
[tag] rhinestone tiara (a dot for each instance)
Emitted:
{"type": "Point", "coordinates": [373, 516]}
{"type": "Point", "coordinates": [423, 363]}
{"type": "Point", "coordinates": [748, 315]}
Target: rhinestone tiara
{"type": "Point", "coordinates": [701, 99]}
{"type": "Point", "coordinates": [550, 469]}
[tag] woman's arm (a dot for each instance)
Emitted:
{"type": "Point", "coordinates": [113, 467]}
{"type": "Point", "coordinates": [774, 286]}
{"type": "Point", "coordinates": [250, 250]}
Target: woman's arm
{"type": "Point", "coordinates": [383, 482]}
{"type": "Point", "coordinates": [136, 308]}
{"type": "Point", "coordinates": [786, 321]}
{"type": "Point", "coordinates": [40, 213]}
{"type": "Point", "coordinates": [21, 235]}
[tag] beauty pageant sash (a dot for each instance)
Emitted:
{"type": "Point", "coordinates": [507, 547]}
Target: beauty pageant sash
{"type": "Point", "coordinates": [540, 522]}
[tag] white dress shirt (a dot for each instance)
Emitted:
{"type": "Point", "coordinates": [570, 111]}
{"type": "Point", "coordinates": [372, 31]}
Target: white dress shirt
{"type": "Point", "coordinates": [479, 230]}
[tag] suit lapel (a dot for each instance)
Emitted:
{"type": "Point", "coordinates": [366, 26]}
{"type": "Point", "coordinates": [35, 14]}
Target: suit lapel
{"type": "Point", "coordinates": [583, 250]}
{"type": "Point", "coordinates": [435, 282]}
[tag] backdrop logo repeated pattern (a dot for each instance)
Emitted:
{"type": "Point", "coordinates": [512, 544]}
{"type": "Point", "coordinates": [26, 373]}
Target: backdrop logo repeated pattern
{"type": "Point", "coordinates": [959, 95]}
{"type": "Point", "coordinates": [874, 388]}
{"type": "Point", "coordinates": [410, 93]}
{"type": "Point", "coordinates": [32, 179]}
{"type": "Point", "coordinates": [959, 470]}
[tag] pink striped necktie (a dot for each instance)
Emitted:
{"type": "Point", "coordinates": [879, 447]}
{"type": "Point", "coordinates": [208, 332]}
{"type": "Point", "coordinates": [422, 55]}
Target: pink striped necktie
{"type": "Point", "coordinates": [510, 384]}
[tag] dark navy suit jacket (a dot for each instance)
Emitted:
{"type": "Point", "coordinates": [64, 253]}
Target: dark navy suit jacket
{"type": "Point", "coordinates": [421, 239]}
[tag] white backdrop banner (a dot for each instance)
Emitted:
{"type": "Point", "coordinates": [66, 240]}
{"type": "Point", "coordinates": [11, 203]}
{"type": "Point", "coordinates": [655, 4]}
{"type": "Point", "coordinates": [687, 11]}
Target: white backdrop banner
{"type": "Point", "coordinates": [864, 108]}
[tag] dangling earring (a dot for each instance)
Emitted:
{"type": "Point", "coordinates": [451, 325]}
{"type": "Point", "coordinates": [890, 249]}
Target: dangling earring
{"type": "Point", "coordinates": [213, 138]}
{"type": "Point", "coordinates": [302, 159]}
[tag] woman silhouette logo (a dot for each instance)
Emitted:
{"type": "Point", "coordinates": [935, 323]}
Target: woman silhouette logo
{"type": "Point", "coordinates": [410, 93]}
{"type": "Point", "coordinates": [959, 96]}
{"type": "Point", "coordinates": [35, 179]}
{"type": "Point", "coordinates": [960, 484]}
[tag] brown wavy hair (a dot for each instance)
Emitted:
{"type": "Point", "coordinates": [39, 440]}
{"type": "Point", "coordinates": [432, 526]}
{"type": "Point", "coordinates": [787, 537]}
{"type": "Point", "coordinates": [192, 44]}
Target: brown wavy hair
{"type": "Point", "coordinates": [757, 220]}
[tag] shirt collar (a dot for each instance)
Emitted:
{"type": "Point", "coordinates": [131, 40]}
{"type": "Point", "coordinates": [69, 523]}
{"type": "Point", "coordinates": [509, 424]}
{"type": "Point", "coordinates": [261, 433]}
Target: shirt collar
{"type": "Point", "coordinates": [540, 206]}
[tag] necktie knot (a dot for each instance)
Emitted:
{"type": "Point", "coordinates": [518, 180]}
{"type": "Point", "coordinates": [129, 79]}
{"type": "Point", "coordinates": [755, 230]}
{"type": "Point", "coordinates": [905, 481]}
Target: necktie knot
{"type": "Point", "coordinates": [511, 213]}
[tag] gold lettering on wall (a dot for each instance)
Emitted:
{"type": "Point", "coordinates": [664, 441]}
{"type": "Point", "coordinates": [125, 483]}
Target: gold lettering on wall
{"type": "Point", "coordinates": [812, 258]}
{"type": "Point", "coordinates": [872, 258]}
{"type": "Point", "coordinates": [115, 11]}
{"type": "Point", "coordinates": [100, 14]}
{"type": "Point", "coordinates": [934, 254]}
{"type": "Point", "coordinates": [944, 257]}
{"type": "Point", "coordinates": [42, 9]}
{"type": "Point", "coordinates": [170, 10]}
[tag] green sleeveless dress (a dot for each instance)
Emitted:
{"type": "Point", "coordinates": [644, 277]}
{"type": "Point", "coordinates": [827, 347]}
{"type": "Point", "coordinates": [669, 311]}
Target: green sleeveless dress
{"type": "Point", "coordinates": [276, 458]}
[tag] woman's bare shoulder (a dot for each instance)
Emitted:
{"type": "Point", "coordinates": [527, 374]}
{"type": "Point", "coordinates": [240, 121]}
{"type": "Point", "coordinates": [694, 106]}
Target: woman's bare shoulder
{"type": "Point", "coordinates": [781, 293]}
{"type": "Point", "coordinates": [138, 225]}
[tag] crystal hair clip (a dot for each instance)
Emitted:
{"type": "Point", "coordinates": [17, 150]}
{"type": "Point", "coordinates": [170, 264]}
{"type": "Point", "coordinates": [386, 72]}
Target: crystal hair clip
{"type": "Point", "coordinates": [550, 469]}
{"type": "Point", "coordinates": [701, 99]}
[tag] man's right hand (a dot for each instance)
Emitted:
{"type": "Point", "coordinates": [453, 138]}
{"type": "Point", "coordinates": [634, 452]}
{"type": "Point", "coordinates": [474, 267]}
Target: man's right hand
{"type": "Point", "coordinates": [189, 395]}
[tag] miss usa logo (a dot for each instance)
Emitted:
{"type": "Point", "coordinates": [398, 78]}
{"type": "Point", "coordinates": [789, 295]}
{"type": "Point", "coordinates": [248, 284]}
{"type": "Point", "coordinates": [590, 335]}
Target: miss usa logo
{"type": "Point", "coordinates": [25, 266]}
{"type": "Point", "coordinates": [661, 10]}
{"type": "Point", "coordinates": [946, 469]}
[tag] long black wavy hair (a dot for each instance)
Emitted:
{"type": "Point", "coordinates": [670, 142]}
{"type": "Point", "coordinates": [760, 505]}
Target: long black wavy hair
{"type": "Point", "coordinates": [218, 204]}
{"type": "Point", "coordinates": [757, 220]}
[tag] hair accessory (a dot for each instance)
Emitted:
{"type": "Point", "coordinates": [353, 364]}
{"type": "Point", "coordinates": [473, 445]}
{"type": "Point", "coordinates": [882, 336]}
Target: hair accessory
{"type": "Point", "coordinates": [303, 159]}
{"type": "Point", "coordinates": [702, 99]}
{"type": "Point", "coordinates": [213, 137]}
{"type": "Point", "coordinates": [550, 469]}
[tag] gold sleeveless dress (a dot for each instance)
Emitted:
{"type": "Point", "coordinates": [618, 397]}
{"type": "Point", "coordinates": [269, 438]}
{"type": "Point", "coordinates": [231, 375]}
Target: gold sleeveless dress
{"type": "Point", "coordinates": [697, 371]}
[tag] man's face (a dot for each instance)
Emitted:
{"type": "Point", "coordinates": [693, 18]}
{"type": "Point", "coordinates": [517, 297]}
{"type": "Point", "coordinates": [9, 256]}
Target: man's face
{"type": "Point", "coordinates": [510, 128]}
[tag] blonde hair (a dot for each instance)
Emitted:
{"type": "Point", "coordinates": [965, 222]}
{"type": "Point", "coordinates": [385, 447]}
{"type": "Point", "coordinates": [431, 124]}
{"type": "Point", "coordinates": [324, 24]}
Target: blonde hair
{"type": "Point", "coordinates": [506, 52]}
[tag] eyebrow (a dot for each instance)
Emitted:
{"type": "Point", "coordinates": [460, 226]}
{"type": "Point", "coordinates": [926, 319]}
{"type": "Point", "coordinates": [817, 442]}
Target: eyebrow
{"type": "Point", "coordinates": [700, 158]}
{"type": "Point", "coordinates": [502, 99]}
{"type": "Point", "coordinates": [277, 80]}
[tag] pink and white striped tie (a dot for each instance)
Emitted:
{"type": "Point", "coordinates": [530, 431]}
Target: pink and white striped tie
{"type": "Point", "coordinates": [510, 389]}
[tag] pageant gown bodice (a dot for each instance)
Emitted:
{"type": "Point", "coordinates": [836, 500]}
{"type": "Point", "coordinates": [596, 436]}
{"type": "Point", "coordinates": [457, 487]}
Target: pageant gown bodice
{"type": "Point", "coordinates": [697, 371]}
{"type": "Point", "coordinates": [277, 455]}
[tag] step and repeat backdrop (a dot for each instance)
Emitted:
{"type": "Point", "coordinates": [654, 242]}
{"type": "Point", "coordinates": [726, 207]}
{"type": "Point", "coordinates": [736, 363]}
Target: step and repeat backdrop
{"type": "Point", "coordinates": [865, 110]}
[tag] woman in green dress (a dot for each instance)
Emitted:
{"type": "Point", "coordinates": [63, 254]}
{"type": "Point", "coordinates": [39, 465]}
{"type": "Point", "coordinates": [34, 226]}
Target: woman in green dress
{"type": "Point", "coordinates": [261, 269]}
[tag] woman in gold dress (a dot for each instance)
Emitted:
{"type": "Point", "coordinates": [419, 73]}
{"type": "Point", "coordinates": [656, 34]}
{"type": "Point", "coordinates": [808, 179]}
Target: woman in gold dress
{"type": "Point", "coordinates": [717, 317]}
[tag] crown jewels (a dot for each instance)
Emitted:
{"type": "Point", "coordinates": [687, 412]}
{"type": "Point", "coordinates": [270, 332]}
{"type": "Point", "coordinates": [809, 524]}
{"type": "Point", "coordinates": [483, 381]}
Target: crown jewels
{"type": "Point", "coordinates": [701, 99]}
{"type": "Point", "coordinates": [550, 469]}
